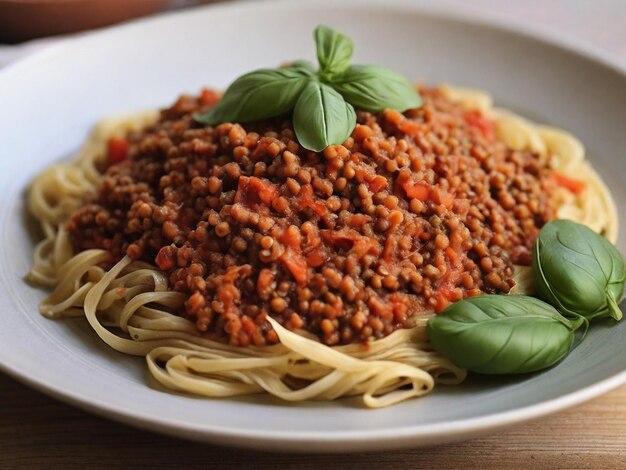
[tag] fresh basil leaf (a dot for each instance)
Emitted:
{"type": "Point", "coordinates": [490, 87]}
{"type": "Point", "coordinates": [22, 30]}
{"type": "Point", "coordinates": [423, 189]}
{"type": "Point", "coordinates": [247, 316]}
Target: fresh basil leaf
{"type": "Point", "coordinates": [578, 271]}
{"type": "Point", "coordinates": [500, 334]}
{"type": "Point", "coordinates": [257, 95]}
{"type": "Point", "coordinates": [334, 51]}
{"type": "Point", "coordinates": [322, 117]}
{"type": "Point", "coordinates": [303, 66]}
{"type": "Point", "coordinates": [375, 88]}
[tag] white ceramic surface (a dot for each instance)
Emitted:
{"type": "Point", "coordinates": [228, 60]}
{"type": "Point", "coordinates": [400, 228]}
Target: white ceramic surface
{"type": "Point", "coordinates": [49, 101]}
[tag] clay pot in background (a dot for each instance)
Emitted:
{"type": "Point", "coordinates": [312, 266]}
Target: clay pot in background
{"type": "Point", "coordinates": [21, 20]}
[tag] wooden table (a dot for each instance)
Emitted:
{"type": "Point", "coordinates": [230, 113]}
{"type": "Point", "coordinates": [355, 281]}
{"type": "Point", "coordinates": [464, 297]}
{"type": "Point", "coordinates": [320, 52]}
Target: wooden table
{"type": "Point", "coordinates": [39, 432]}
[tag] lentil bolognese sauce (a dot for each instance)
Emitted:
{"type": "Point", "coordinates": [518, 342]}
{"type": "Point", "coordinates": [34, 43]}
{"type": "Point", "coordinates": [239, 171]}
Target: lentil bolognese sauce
{"type": "Point", "coordinates": [413, 212]}
{"type": "Point", "coordinates": [299, 235]}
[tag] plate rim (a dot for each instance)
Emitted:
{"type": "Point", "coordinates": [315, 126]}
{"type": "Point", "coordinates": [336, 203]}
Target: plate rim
{"type": "Point", "coordinates": [335, 441]}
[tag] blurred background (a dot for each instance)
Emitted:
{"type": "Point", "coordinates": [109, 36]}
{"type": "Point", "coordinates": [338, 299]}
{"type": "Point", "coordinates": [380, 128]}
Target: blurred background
{"type": "Point", "coordinates": [21, 20]}
{"type": "Point", "coordinates": [27, 25]}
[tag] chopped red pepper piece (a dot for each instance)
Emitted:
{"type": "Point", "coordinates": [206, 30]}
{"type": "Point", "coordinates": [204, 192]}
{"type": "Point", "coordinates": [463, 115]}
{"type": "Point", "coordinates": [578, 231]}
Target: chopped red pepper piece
{"type": "Point", "coordinates": [377, 184]}
{"type": "Point", "coordinates": [419, 191]}
{"type": "Point", "coordinates": [117, 150]}
{"type": "Point", "coordinates": [571, 184]}
{"type": "Point", "coordinates": [316, 258]}
{"type": "Point", "coordinates": [209, 97]}
{"type": "Point", "coordinates": [483, 123]}
{"type": "Point", "coordinates": [252, 190]}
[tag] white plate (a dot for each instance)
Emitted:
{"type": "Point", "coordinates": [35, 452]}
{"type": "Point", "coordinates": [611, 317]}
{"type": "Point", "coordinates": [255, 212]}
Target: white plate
{"type": "Point", "coordinates": [48, 103]}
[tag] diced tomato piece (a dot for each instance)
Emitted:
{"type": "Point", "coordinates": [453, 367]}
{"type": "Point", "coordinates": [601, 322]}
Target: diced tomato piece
{"type": "Point", "coordinates": [377, 184]}
{"type": "Point", "coordinates": [296, 264]}
{"type": "Point", "coordinates": [447, 294]}
{"type": "Point", "coordinates": [350, 240]}
{"type": "Point", "coordinates": [117, 150]}
{"type": "Point", "coordinates": [234, 273]}
{"type": "Point", "coordinates": [316, 258]}
{"type": "Point", "coordinates": [292, 258]}
{"type": "Point", "coordinates": [266, 190]}
{"type": "Point", "coordinates": [439, 196]}
{"type": "Point", "coordinates": [571, 184]}
{"type": "Point", "coordinates": [447, 200]}
{"type": "Point", "coordinates": [305, 199]}
{"type": "Point", "coordinates": [442, 302]}
{"type": "Point", "coordinates": [254, 190]}
{"type": "Point", "coordinates": [410, 127]}
{"type": "Point", "coordinates": [419, 191]}
{"type": "Point", "coordinates": [483, 123]}
{"type": "Point", "coordinates": [209, 97]}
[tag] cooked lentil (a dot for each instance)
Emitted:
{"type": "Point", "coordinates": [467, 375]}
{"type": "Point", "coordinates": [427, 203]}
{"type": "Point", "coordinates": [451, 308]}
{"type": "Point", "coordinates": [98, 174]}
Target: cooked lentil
{"type": "Point", "coordinates": [413, 212]}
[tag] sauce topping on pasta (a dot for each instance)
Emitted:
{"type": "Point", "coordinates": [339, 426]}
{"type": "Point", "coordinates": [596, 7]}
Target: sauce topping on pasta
{"type": "Point", "coordinates": [414, 211]}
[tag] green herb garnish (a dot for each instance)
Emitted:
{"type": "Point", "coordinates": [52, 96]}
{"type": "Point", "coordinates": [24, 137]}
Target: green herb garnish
{"type": "Point", "coordinates": [334, 51]}
{"type": "Point", "coordinates": [374, 88]}
{"type": "Point", "coordinates": [578, 271]}
{"type": "Point", "coordinates": [322, 100]}
{"type": "Point", "coordinates": [322, 117]}
{"type": "Point", "coordinates": [500, 334]}
{"type": "Point", "coordinates": [580, 275]}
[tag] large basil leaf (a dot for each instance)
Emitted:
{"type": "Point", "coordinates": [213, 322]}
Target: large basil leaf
{"type": "Point", "coordinates": [322, 117]}
{"type": "Point", "coordinates": [375, 88]}
{"type": "Point", "coordinates": [334, 51]}
{"type": "Point", "coordinates": [257, 95]}
{"type": "Point", "coordinates": [499, 334]}
{"type": "Point", "coordinates": [578, 271]}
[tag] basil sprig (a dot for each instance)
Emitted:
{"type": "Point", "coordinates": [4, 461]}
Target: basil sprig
{"type": "Point", "coordinates": [334, 51]}
{"type": "Point", "coordinates": [580, 275]}
{"type": "Point", "coordinates": [578, 271]}
{"type": "Point", "coordinates": [323, 101]}
{"type": "Point", "coordinates": [499, 334]}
